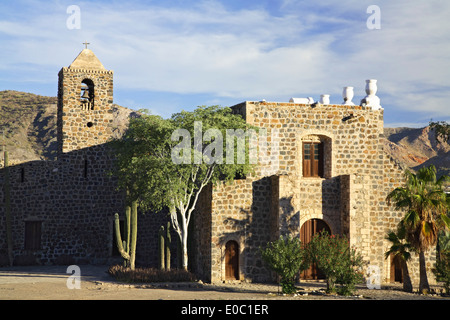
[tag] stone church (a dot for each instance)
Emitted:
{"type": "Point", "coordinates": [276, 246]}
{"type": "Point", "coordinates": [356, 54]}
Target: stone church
{"type": "Point", "coordinates": [332, 174]}
{"type": "Point", "coordinates": [63, 210]}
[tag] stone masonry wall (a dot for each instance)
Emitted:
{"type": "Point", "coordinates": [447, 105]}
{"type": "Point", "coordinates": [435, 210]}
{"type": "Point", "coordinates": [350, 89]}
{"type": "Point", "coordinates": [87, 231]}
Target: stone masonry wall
{"type": "Point", "coordinates": [77, 127]}
{"type": "Point", "coordinates": [74, 198]}
{"type": "Point", "coordinates": [75, 206]}
{"type": "Point", "coordinates": [350, 198]}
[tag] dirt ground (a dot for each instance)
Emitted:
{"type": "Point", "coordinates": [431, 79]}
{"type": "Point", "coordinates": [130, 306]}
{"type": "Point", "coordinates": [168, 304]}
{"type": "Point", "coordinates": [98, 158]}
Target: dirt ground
{"type": "Point", "coordinates": [54, 282]}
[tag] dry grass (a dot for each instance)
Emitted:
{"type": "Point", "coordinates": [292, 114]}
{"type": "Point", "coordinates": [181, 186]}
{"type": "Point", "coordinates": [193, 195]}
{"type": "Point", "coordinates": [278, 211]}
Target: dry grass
{"type": "Point", "coordinates": [146, 275]}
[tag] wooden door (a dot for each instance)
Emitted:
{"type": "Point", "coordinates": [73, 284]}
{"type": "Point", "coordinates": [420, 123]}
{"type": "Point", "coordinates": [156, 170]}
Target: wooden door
{"type": "Point", "coordinates": [307, 231]}
{"type": "Point", "coordinates": [396, 270]}
{"type": "Point", "coordinates": [232, 260]}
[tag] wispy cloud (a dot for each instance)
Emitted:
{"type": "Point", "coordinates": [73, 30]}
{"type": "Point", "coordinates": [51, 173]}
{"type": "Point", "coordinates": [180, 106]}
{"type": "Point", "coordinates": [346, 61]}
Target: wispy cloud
{"type": "Point", "coordinates": [221, 50]}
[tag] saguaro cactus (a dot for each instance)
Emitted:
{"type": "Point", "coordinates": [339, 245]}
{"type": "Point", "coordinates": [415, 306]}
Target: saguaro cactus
{"type": "Point", "coordinates": [168, 241]}
{"type": "Point", "coordinates": [161, 248]}
{"type": "Point", "coordinates": [127, 248]}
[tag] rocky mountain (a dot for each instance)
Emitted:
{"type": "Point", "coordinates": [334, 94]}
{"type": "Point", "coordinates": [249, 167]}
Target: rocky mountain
{"type": "Point", "coordinates": [28, 125]}
{"type": "Point", "coordinates": [28, 129]}
{"type": "Point", "coordinates": [417, 147]}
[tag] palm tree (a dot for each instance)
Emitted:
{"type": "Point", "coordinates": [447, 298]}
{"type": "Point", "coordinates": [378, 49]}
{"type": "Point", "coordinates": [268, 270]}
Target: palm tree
{"type": "Point", "coordinates": [426, 206]}
{"type": "Point", "coordinates": [401, 253]}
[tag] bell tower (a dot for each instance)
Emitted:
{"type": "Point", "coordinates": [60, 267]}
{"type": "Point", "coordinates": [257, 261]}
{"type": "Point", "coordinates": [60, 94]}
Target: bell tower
{"type": "Point", "coordinates": [85, 97]}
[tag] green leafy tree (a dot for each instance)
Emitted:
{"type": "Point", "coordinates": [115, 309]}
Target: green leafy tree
{"type": "Point", "coordinates": [164, 172]}
{"type": "Point", "coordinates": [401, 252]}
{"type": "Point", "coordinates": [287, 258]}
{"type": "Point", "coordinates": [426, 204]}
{"type": "Point", "coordinates": [337, 260]}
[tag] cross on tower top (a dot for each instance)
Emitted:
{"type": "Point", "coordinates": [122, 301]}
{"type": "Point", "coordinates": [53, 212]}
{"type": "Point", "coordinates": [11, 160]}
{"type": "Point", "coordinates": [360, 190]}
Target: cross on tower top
{"type": "Point", "coordinates": [86, 43]}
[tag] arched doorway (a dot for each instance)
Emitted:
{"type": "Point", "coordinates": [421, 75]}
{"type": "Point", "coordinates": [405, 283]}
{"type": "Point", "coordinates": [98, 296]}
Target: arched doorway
{"type": "Point", "coordinates": [307, 231]}
{"type": "Point", "coordinates": [232, 260]}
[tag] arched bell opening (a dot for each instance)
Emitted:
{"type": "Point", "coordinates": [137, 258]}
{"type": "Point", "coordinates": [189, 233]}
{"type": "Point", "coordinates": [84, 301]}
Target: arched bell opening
{"type": "Point", "coordinates": [87, 94]}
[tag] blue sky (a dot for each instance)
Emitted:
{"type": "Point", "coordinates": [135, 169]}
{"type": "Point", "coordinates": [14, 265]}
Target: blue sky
{"type": "Point", "coordinates": [172, 55]}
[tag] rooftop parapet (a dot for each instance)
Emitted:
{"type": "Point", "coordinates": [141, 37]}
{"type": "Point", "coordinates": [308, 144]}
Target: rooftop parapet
{"type": "Point", "coordinates": [370, 100]}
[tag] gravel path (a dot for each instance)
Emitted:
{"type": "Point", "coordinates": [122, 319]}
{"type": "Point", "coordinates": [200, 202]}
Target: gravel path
{"type": "Point", "coordinates": [53, 282]}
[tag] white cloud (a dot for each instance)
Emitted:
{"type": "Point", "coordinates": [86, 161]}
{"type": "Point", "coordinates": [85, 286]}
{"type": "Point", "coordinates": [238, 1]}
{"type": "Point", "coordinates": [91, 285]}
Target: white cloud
{"type": "Point", "coordinates": [306, 49]}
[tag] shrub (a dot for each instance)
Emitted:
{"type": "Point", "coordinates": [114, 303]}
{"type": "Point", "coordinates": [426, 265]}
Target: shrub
{"type": "Point", "coordinates": [441, 270]}
{"type": "Point", "coordinates": [286, 257]}
{"type": "Point", "coordinates": [350, 273]}
{"type": "Point", "coordinates": [340, 263]}
{"type": "Point", "coordinates": [144, 275]}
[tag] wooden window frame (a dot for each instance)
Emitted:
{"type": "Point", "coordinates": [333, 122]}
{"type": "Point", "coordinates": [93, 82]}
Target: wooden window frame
{"type": "Point", "coordinates": [313, 159]}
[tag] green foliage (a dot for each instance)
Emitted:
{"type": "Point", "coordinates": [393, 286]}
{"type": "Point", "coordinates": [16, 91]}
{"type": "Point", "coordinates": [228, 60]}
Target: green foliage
{"type": "Point", "coordinates": [441, 269]}
{"type": "Point", "coordinates": [444, 241]}
{"type": "Point", "coordinates": [340, 263]}
{"type": "Point", "coordinates": [426, 204]}
{"type": "Point", "coordinates": [401, 252]}
{"type": "Point", "coordinates": [144, 163]}
{"type": "Point", "coordinates": [442, 129]}
{"type": "Point", "coordinates": [399, 247]}
{"type": "Point", "coordinates": [286, 257]}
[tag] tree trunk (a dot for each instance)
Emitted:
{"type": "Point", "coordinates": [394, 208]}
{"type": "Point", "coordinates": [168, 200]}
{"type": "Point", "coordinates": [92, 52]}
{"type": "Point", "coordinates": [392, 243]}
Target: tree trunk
{"type": "Point", "coordinates": [331, 284]}
{"type": "Point", "coordinates": [184, 254]}
{"type": "Point", "coordinates": [407, 285]}
{"type": "Point", "coordinates": [424, 287]}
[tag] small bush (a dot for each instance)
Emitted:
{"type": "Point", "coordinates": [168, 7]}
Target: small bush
{"type": "Point", "coordinates": [145, 275]}
{"type": "Point", "coordinates": [441, 271]}
{"type": "Point", "coordinates": [286, 257]}
{"type": "Point", "coordinates": [337, 260]}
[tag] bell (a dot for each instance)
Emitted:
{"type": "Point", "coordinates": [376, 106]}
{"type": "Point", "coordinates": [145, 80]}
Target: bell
{"type": "Point", "coordinates": [85, 94]}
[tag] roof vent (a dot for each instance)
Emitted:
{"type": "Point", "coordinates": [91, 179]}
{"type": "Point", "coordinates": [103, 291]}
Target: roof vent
{"type": "Point", "coordinates": [308, 100]}
{"type": "Point", "coordinates": [371, 100]}
{"type": "Point", "coordinates": [324, 99]}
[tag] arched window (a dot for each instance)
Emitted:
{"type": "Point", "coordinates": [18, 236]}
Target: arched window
{"type": "Point", "coordinates": [87, 95]}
